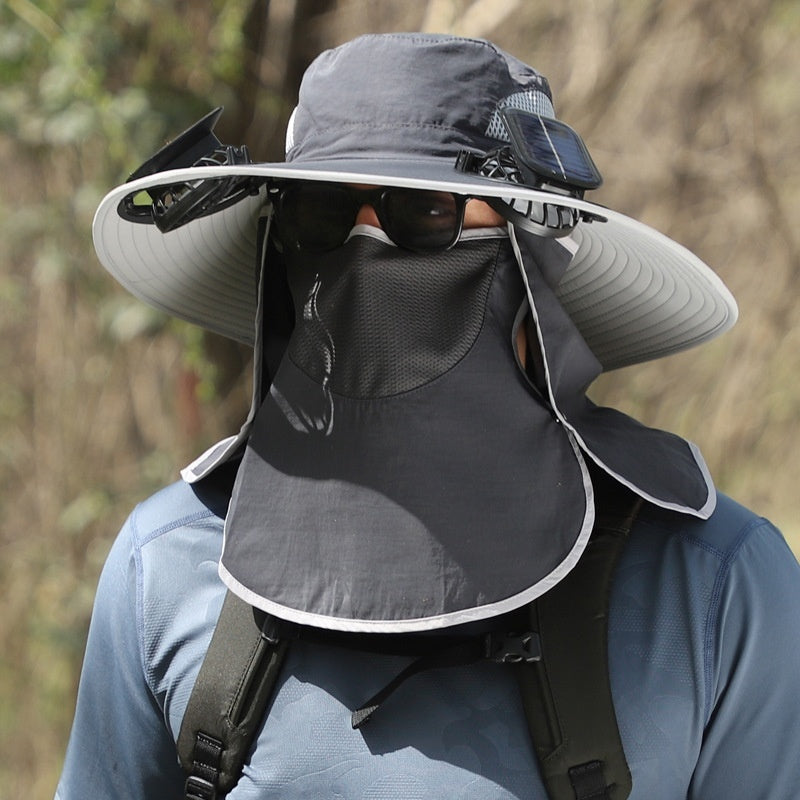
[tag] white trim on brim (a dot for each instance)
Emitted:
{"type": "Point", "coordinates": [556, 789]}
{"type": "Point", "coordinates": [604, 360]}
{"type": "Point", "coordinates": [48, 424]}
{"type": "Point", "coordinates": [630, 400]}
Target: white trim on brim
{"type": "Point", "coordinates": [634, 294]}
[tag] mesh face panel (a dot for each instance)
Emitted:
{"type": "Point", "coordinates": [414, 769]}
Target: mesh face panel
{"type": "Point", "coordinates": [532, 101]}
{"type": "Point", "coordinates": [375, 320]}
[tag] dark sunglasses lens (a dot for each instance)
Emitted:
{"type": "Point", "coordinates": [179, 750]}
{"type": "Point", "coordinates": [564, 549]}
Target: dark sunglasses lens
{"type": "Point", "coordinates": [314, 217]}
{"type": "Point", "coordinates": [421, 220]}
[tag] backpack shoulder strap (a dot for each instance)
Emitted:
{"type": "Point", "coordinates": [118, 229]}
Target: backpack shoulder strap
{"type": "Point", "coordinates": [567, 694]}
{"type": "Point", "coordinates": [229, 699]}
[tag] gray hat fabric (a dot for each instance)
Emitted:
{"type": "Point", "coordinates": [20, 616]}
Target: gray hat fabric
{"type": "Point", "coordinates": [397, 110]}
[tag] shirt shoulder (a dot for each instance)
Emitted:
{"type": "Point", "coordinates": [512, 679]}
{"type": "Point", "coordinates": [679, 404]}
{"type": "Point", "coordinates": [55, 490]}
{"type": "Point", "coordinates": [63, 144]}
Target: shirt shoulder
{"type": "Point", "coordinates": [700, 610]}
{"type": "Point", "coordinates": [175, 506]}
{"type": "Point", "coordinates": [175, 540]}
{"type": "Point", "coordinates": [722, 533]}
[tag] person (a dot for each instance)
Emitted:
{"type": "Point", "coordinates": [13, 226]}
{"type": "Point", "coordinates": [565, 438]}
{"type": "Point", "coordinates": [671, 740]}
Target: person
{"type": "Point", "coordinates": [429, 294]}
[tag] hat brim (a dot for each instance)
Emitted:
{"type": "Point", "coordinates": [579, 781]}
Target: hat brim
{"type": "Point", "coordinates": [633, 293]}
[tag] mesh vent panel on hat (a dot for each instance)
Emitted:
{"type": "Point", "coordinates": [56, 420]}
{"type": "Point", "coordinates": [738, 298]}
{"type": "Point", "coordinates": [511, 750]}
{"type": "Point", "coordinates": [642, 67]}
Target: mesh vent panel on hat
{"type": "Point", "coordinates": [533, 101]}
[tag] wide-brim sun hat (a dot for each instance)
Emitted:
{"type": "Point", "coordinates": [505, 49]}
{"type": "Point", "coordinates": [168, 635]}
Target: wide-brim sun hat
{"type": "Point", "coordinates": [416, 111]}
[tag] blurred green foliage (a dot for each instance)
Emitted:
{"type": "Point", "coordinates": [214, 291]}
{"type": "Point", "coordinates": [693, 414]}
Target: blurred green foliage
{"type": "Point", "coordinates": [87, 91]}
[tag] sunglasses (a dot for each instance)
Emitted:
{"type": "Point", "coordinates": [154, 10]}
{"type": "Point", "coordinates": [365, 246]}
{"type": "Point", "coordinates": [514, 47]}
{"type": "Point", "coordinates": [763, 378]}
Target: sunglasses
{"type": "Point", "coordinates": [319, 216]}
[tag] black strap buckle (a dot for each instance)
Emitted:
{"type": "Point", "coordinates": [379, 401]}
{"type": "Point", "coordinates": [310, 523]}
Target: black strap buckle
{"type": "Point", "coordinates": [199, 789]}
{"type": "Point", "coordinates": [514, 648]}
{"type": "Point", "coordinates": [588, 781]}
{"type": "Point", "coordinates": [203, 782]}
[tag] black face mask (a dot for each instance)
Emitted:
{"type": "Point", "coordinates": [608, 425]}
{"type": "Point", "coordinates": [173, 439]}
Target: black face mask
{"type": "Point", "coordinates": [403, 473]}
{"type": "Point", "coordinates": [375, 321]}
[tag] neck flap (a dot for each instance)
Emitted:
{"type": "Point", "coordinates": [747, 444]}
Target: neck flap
{"type": "Point", "coordinates": [404, 473]}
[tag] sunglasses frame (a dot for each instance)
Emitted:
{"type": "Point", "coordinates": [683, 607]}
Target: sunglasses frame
{"type": "Point", "coordinates": [375, 197]}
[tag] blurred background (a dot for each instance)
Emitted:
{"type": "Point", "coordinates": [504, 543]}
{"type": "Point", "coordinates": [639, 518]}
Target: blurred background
{"type": "Point", "coordinates": [690, 108]}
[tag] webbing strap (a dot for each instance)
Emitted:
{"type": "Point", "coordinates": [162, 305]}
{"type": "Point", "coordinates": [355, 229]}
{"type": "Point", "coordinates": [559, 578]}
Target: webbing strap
{"type": "Point", "coordinates": [229, 699]}
{"type": "Point", "coordinates": [567, 695]}
{"type": "Point", "coordinates": [503, 648]}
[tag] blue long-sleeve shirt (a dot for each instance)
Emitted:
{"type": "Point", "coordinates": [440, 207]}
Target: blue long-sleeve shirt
{"type": "Point", "coordinates": [704, 659]}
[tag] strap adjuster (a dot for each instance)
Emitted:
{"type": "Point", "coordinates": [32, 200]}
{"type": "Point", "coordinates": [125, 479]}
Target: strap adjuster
{"type": "Point", "coordinates": [199, 789]}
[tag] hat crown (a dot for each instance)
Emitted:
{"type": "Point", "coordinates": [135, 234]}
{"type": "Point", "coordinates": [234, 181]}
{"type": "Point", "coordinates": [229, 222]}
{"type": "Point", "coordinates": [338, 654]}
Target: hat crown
{"type": "Point", "coordinates": [397, 110]}
{"type": "Point", "coordinates": [409, 96]}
